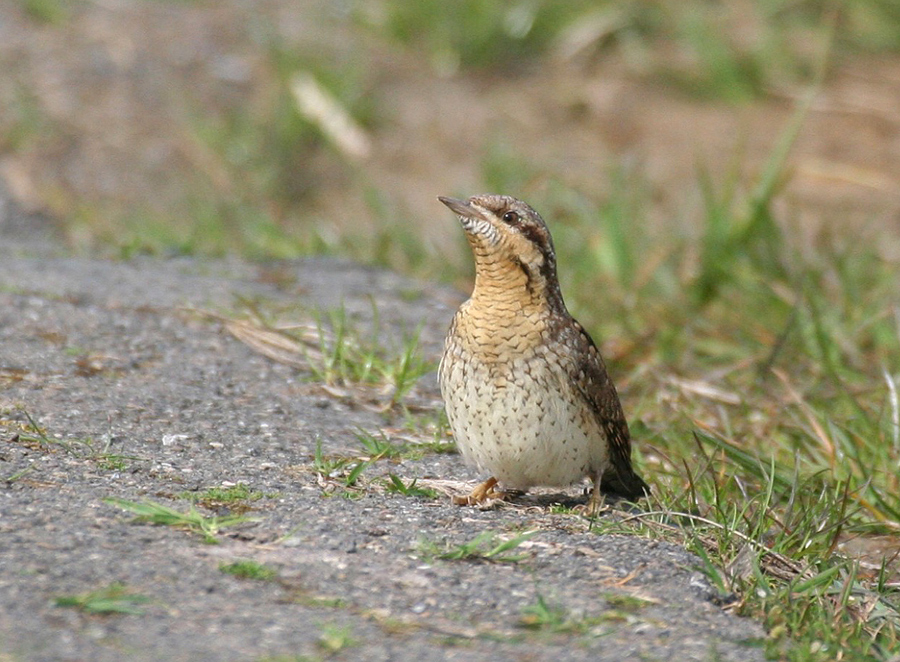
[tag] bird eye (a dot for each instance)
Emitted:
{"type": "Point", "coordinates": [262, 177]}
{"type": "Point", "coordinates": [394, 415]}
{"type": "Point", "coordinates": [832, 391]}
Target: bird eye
{"type": "Point", "coordinates": [511, 217]}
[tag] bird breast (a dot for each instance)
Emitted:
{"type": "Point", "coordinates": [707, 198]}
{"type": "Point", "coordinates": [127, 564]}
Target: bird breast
{"type": "Point", "coordinates": [511, 404]}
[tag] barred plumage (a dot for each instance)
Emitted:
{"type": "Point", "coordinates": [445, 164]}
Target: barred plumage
{"type": "Point", "coordinates": [527, 393]}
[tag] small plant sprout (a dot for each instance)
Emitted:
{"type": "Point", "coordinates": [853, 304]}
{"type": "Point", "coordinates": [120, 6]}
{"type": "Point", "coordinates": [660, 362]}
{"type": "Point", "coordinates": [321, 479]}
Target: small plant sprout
{"type": "Point", "coordinates": [83, 448]}
{"type": "Point", "coordinates": [543, 615]}
{"type": "Point", "coordinates": [487, 546]}
{"type": "Point", "coordinates": [113, 599]}
{"type": "Point", "coordinates": [335, 638]}
{"type": "Point", "coordinates": [395, 484]}
{"type": "Point", "coordinates": [249, 570]}
{"type": "Point", "coordinates": [236, 498]}
{"type": "Point", "coordinates": [207, 526]}
{"type": "Point", "coordinates": [550, 617]}
{"type": "Point", "coordinates": [328, 466]}
{"type": "Point", "coordinates": [378, 445]}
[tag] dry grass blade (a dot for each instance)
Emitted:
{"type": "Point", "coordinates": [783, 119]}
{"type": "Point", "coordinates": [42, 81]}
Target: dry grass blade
{"type": "Point", "coordinates": [270, 342]}
{"type": "Point", "coordinates": [330, 349]}
{"type": "Point", "coordinates": [819, 431]}
{"type": "Point", "coordinates": [704, 389]}
{"type": "Point", "coordinates": [317, 104]}
{"type": "Point", "coordinates": [771, 562]}
{"type": "Point", "coordinates": [450, 488]}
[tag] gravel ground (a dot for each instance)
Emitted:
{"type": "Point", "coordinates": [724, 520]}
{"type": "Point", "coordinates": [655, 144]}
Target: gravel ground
{"type": "Point", "coordinates": [109, 359]}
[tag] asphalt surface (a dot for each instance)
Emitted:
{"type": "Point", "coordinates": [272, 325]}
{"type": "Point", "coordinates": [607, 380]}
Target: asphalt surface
{"type": "Point", "coordinates": [141, 397]}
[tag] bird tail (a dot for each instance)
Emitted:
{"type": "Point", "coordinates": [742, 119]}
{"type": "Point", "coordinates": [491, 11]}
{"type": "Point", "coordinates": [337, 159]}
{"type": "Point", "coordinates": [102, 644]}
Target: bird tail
{"type": "Point", "coordinates": [624, 483]}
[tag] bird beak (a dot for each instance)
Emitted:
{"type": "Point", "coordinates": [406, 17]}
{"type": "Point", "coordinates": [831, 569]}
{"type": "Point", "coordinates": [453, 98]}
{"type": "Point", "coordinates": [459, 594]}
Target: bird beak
{"type": "Point", "coordinates": [464, 208]}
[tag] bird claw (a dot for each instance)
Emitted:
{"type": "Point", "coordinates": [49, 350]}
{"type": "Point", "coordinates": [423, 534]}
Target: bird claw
{"type": "Point", "coordinates": [592, 508]}
{"type": "Point", "coordinates": [483, 495]}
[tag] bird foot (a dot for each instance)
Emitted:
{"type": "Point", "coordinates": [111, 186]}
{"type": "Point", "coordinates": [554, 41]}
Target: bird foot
{"type": "Point", "coordinates": [481, 495]}
{"type": "Point", "coordinates": [591, 509]}
{"type": "Point", "coordinates": [596, 503]}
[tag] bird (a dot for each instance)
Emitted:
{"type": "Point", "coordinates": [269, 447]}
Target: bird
{"type": "Point", "coordinates": [527, 394]}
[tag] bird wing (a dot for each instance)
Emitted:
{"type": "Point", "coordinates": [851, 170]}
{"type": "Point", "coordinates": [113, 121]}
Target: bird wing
{"type": "Point", "coordinates": [598, 390]}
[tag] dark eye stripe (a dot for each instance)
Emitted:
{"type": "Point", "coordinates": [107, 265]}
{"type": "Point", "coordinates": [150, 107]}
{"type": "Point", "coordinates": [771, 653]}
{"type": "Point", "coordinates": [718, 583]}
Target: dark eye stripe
{"type": "Point", "coordinates": [536, 236]}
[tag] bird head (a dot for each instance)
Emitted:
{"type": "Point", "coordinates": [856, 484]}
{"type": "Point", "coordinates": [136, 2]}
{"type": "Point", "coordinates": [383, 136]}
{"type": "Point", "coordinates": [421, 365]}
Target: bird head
{"type": "Point", "coordinates": [510, 241]}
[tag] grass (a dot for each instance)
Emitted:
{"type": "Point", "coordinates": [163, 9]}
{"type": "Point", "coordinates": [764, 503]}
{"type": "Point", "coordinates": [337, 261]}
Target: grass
{"type": "Point", "coordinates": [206, 526]}
{"type": "Point", "coordinates": [345, 358]}
{"type": "Point", "coordinates": [336, 638]}
{"type": "Point", "coordinates": [250, 170]}
{"type": "Point", "coordinates": [735, 51]}
{"type": "Point", "coordinates": [249, 569]}
{"type": "Point", "coordinates": [759, 375]}
{"type": "Point", "coordinates": [546, 616]}
{"type": "Point", "coordinates": [378, 445]}
{"type": "Point", "coordinates": [486, 546]}
{"type": "Point", "coordinates": [346, 470]}
{"type": "Point", "coordinates": [395, 484]}
{"type": "Point", "coordinates": [760, 382]}
{"type": "Point", "coordinates": [347, 362]}
{"type": "Point", "coordinates": [431, 431]}
{"type": "Point", "coordinates": [340, 474]}
{"type": "Point", "coordinates": [237, 498]}
{"type": "Point", "coordinates": [227, 495]}
{"type": "Point", "coordinates": [480, 34]}
{"type": "Point", "coordinates": [249, 167]}
{"type": "Point", "coordinates": [33, 435]}
{"type": "Point", "coordinates": [112, 599]}
{"type": "Point", "coordinates": [51, 12]}
{"type": "Point", "coordinates": [329, 466]}
{"type": "Point", "coordinates": [781, 442]}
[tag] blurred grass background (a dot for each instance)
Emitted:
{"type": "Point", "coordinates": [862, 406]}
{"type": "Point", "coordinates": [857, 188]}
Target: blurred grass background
{"type": "Point", "coordinates": [721, 179]}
